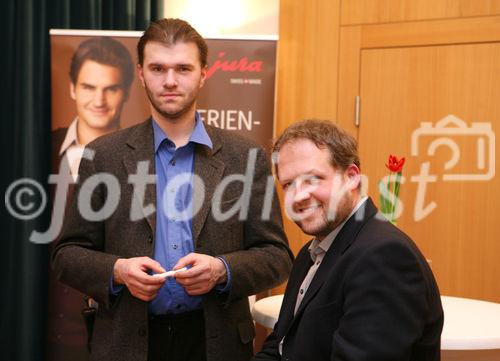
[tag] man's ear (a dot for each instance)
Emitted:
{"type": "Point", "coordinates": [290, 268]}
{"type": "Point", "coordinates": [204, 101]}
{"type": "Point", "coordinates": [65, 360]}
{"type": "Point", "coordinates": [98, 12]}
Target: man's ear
{"type": "Point", "coordinates": [353, 175]}
{"type": "Point", "coordinates": [140, 74]}
{"type": "Point", "coordinates": [204, 71]}
{"type": "Point", "coordinates": [72, 92]}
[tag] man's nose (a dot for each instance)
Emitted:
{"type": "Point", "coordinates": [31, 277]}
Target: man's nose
{"type": "Point", "coordinates": [170, 79]}
{"type": "Point", "coordinates": [302, 193]}
{"type": "Point", "coordinates": [99, 98]}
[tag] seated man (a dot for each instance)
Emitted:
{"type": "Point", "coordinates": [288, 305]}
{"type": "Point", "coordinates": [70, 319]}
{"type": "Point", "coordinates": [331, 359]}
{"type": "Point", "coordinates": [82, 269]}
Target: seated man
{"type": "Point", "coordinates": [361, 289]}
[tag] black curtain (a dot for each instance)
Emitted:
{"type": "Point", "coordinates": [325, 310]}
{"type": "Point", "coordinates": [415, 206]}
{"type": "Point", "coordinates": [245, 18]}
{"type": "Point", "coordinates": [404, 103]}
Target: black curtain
{"type": "Point", "coordinates": [25, 150]}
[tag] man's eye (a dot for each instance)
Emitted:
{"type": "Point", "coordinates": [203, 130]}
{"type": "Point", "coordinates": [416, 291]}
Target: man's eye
{"type": "Point", "coordinates": [315, 179]}
{"type": "Point", "coordinates": [312, 180]}
{"type": "Point", "coordinates": [113, 89]}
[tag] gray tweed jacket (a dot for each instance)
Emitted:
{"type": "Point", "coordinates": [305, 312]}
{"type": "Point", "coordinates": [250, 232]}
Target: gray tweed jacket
{"type": "Point", "coordinates": [256, 249]}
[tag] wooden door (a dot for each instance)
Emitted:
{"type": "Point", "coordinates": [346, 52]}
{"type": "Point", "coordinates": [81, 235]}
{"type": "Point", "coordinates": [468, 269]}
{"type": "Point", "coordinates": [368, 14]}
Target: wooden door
{"type": "Point", "coordinates": [452, 84]}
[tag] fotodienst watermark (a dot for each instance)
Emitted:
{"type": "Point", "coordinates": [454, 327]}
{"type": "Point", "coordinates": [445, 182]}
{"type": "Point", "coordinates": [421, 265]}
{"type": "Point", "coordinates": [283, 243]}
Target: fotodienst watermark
{"type": "Point", "coordinates": [26, 199]}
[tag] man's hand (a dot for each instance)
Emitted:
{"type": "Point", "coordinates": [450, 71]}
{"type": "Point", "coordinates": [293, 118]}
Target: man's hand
{"type": "Point", "coordinates": [133, 273]}
{"type": "Point", "coordinates": [206, 272]}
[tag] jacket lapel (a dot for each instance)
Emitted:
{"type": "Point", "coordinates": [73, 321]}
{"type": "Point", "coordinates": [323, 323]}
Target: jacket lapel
{"type": "Point", "coordinates": [341, 243]}
{"type": "Point", "coordinates": [141, 149]}
{"type": "Point", "coordinates": [302, 265]}
{"type": "Point", "coordinates": [210, 171]}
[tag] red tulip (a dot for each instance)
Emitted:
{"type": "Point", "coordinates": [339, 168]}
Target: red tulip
{"type": "Point", "coordinates": [394, 164]}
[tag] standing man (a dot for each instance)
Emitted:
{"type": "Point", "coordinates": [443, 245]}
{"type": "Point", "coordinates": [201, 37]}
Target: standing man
{"type": "Point", "coordinates": [361, 289]}
{"type": "Point", "coordinates": [186, 179]}
{"type": "Point", "coordinates": [101, 72]}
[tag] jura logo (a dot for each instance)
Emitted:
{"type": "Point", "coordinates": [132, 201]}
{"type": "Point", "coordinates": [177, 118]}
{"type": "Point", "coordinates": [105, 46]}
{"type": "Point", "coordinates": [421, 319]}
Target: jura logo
{"type": "Point", "coordinates": [242, 65]}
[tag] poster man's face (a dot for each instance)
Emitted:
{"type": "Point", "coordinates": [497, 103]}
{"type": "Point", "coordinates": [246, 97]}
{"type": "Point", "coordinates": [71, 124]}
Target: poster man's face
{"type": "Point", "coordinates": [99, 95]}
{"type": "Point", "coordinates": [172, 77]}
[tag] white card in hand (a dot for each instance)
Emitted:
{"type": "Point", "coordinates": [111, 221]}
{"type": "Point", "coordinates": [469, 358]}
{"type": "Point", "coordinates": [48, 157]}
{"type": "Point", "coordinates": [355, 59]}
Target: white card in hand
{"type": "Point", "coordinates": [169, 273]}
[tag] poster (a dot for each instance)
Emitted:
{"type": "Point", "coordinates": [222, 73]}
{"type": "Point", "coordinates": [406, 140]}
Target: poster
{"type": "Point", "coordinates": [239, 93]}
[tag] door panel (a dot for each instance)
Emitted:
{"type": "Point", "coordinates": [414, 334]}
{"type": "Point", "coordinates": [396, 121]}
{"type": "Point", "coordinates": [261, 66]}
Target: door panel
{"type": "Point", "coordinates": [402, 87]}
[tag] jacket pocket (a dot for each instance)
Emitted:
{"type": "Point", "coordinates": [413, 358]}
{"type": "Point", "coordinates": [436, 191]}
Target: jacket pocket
{"type": "Point", "coordinates": [246, 330]}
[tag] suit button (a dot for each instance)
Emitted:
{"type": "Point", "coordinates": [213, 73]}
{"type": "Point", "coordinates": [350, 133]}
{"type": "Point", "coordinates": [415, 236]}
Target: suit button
{"type": "Point", "coordinates": [142, 332]}
{"type": "Point", "coordinates": [150, 239]}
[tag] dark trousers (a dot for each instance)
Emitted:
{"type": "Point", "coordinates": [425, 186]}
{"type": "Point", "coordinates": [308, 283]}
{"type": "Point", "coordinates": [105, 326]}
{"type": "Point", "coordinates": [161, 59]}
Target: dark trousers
{"type": "Point", "coordinates": [177, 337]}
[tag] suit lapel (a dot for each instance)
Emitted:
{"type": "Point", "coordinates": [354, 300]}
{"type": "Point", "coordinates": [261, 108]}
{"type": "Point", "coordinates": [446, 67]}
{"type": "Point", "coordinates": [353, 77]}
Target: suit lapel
{"type": "Point", "coordinates": [210, 171]}
{"type": "Point", "coordinates": [141, 148]}
{"type": "Point", "coordinates": [341, 243]}
{"type": "Point", "coordinates": [302, 265]}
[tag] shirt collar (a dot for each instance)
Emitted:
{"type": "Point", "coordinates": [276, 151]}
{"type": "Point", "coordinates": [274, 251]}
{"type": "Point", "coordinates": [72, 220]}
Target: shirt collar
{"type": "Point", "coordinates": [317, 246]}
{"type": "Point", "coordinates": [70, 138]}
{"type": "Point", "coordinates": [199, 134]}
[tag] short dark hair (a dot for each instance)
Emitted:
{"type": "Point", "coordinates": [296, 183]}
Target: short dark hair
{"type": "Point", "coordinates": [342, 146]}
{"type": "Point", "coordinates": [103, 50]}
{"type": "Point", "coordinates": [169, 32]}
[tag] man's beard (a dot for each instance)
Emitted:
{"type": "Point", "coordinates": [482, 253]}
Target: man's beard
{"type": "Point", "coordinates": [169, 115]}
{"type": "Point", "coordinates": [330, 219]}
{"type": "Point", "coordinates": [321, 230]}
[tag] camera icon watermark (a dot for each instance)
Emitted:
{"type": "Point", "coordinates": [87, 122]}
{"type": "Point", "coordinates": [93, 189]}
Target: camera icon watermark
{"type": "Point", "coordinates": [453, 133]}
{"type": "Point", "coordinates": [447, 133]}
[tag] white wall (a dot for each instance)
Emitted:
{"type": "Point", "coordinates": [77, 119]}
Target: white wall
{"type": "Point", "coordinates": [227, 17]}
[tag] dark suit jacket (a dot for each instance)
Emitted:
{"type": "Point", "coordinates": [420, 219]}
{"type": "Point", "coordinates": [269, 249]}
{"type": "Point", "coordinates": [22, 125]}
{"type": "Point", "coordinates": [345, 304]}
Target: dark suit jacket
{"type": "Point", "coordinates": [256, 250]}
{"type": "Point", "coordinates": [373, 298]}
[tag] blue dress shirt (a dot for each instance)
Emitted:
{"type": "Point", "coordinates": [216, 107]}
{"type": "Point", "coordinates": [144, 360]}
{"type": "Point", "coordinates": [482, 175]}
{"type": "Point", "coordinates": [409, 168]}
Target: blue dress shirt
{"type": "Point", "coordinates": [174, 237]}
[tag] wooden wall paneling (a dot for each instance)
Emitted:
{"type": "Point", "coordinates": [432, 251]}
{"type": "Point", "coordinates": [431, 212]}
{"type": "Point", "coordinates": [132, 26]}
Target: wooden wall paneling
{"type": "Point", "coordinates": [401, 87]}
{"type": "Point", "coordinates": [468, 30]}
{"type": "Point", "coordinates": [478, 8]}
{"type": "Point", "coordinates": [387, 11]}
{"type": "Point", "coordinates": [307, 60]}
{"type": "Point", "coordinates": [467, 265]}
{"type": "Point", "coordinates": [356, 12]}
{"type": "Point", "coordinates": [348, 84]}
{"type": "Point", "coordinates": [307, 71]}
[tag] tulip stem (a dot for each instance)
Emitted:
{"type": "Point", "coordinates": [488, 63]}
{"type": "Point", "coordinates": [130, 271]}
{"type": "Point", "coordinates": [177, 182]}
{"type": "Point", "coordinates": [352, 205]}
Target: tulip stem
{"type": "Point", "coordinates": [396, 196]}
